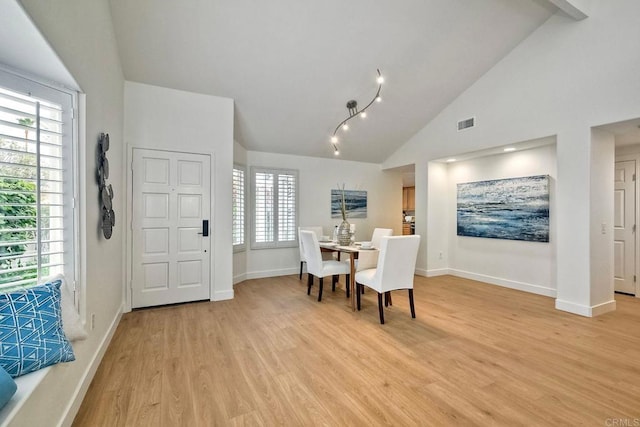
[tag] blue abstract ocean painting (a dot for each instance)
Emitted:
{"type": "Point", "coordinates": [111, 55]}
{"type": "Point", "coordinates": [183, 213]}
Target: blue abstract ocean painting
{"type": "Point", "coordinates": [355, 202]}
{"type": "Point", "coordinates": [512, 209]}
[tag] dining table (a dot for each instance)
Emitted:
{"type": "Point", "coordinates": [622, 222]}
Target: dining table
{"type": "Point", "coordinates": [368, 260]}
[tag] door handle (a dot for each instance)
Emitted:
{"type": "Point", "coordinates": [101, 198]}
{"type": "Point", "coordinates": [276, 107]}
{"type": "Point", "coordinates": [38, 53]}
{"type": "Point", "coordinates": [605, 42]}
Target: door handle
{"type": "Point", "coordinates": [205, 228]}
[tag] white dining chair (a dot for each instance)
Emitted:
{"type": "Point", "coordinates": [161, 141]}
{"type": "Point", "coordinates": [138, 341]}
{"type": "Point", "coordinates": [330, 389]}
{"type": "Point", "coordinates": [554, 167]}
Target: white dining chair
{"type": "Point", "coordinates": [379, 233]}
{"type": "Point", "coordinates": [395, 270]}
{"type": "Point", "coordinates": [320, 268]}
{"type": "Point", "coordinates": [318, 232]}
{"type": "Point", "coordinates": [368, 259]}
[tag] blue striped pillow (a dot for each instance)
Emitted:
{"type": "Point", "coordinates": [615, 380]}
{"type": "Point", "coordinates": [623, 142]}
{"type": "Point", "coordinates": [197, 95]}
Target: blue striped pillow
{"type": "Point", "coordinates": [31, 334]}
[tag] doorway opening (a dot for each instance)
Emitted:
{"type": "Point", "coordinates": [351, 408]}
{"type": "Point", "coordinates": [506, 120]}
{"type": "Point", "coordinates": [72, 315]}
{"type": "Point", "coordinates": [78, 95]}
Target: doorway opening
{"type": "Point", "coordinates": [626, 206]}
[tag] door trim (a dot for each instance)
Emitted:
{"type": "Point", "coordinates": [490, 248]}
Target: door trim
{"type": "Point", "coordinates": [128, 218]}
{"type": "Point", "coordinates": [636, 157]}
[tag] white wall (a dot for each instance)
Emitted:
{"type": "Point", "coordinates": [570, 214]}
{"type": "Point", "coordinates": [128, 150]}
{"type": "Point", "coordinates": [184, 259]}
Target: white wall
{"type": "Point", "coordinates": [528, 266]}
{"type": "Point", "coordinates": [436, 177]}
{"type": "Point", "coordinates": [81, 33]}
{"type": "Point", "coordinates": [564, 79]}
{"type": "Point", "coordinates": [602, 216]}
{"type": "Point", "coordinates": [169, 119]}
{"type": "Point", "coordinates": [317, 177]}
{"type": "Point", "coordinates": [42, 61]}
{"type": "Point", "coordinates": [627, 150]}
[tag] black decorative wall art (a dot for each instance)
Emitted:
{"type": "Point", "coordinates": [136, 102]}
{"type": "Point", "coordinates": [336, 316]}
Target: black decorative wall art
{"type": "Point", "coordinates": [107, 215]}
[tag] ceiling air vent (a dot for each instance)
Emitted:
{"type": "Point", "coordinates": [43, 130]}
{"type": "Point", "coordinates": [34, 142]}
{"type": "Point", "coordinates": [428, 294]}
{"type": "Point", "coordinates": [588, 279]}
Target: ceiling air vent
{"type": "Point", "coordinates": [466, 123]}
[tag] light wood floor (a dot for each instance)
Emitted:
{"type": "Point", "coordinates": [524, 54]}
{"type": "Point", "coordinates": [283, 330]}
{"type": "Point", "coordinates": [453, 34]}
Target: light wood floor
{"type": "Point", "coordinates": [476, 354]}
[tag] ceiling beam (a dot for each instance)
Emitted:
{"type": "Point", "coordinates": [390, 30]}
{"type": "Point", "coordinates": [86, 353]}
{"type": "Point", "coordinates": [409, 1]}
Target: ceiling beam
{"type": "Point", "coordinates": [577, 9]}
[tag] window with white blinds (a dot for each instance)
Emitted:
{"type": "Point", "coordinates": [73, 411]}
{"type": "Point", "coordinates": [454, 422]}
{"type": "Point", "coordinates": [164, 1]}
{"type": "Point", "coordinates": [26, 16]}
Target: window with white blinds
{"type": "Point", "coordinates": [238, 201]}
{"type": "Point", "coordinates": [36, 182]}
{"type": "Point", "coordinates": [275, 208]}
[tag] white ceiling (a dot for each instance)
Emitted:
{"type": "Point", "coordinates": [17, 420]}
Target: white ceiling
{"type": "Point", "coordinates": [292, 65]}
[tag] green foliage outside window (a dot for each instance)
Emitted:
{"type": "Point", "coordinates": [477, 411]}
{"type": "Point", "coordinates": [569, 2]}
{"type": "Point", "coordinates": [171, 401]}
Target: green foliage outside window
{"type": "Point", "coordinates": [17, 212]}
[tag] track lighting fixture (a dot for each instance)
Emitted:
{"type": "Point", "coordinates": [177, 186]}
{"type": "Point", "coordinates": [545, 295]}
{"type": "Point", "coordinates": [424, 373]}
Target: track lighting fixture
{"type": "Point", "coordinates": [352, 106]}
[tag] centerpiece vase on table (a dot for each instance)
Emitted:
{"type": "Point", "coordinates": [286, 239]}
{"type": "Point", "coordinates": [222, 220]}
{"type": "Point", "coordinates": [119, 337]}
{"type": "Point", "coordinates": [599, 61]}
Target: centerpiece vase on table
{"type": "Point", "coordinates": [344, 233]}
{"type": "Point", "coordinates": [344, 229]}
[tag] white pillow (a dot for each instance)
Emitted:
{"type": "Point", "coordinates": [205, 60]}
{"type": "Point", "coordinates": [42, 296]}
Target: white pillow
{"type": "Point", "coordinates": [71, 323]}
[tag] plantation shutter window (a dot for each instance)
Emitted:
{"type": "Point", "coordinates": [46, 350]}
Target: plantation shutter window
{"type": "Point", "coordinates": [286, 208]}
{"type": "Point", "coordinates": [238, 202]}
{"type": "Point", "coordinates": [275, 206]}
{"type": "Point", "coordinates": [36, 185]}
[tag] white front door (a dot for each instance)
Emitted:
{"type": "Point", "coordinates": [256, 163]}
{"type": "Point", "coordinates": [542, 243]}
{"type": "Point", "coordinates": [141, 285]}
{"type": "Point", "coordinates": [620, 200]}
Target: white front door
{"type": "Point", "coordinates": [171, 246]}
{"type": "Point", "coordinates": [624, 227]}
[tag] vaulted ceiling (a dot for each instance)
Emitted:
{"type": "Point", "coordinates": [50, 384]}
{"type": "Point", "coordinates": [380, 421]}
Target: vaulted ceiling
{"type": "Point", "coordinates": [292, 65]}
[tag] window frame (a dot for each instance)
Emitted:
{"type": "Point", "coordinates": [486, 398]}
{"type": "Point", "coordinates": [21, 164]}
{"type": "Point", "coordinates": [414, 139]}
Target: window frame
{"type": "Point", "coordinates": [30, 85]}
{"type": "Point", "coordinates": [275, 244]}
{"type": "Point", "coordinates": [240, 247]}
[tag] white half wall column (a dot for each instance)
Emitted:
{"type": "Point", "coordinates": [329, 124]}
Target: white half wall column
{"type": "Point", "coordinates": [585, 209]}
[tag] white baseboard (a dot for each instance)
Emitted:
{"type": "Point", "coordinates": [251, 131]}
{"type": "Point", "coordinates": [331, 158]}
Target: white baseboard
{"type": "Point", "coordinates": [512, 284]}
{"type": "Point", "coordinates": [421, 272]}
{"type": "Point", "coordinates": [437, 272]}
{"type": "Point", "coordinates": [222, 295]}
{"type": "Point", "coordinates": [239, 278]}
{"type": "Point", "coordinates": [81, 390]}
{"type": "Point", "coordinates": [585, 310]}
{"type": "Point", "coordinates": [271, 273]}
{"type": "Point", "coordinates": [582, 310]}
{"type": "Point", "coordinates": [605, 307]}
